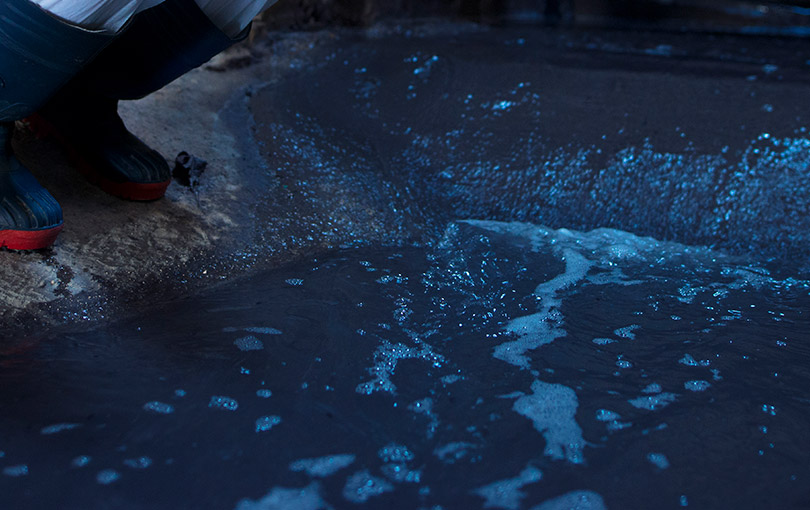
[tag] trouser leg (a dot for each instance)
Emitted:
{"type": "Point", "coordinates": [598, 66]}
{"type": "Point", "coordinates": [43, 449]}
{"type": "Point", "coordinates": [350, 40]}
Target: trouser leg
{"type": "Point", "coordinates": [109, 15]}
{"type": "Point", "coordinates": [232, 16]}
{"type": "Point", "coordinates": [159, 45]}
{"type": "Point", "coordinates": [38, 54]}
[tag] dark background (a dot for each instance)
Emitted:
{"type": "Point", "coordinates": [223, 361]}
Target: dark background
{"type": "Point", "coordinates": [785, 17]}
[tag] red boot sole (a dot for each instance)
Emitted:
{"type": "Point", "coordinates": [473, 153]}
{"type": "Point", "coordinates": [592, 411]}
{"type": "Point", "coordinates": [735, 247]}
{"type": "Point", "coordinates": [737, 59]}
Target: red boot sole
{"type": "Point", "coordinates": [136, 191]}
{"type": "Point", "coordinates": [29, 239]}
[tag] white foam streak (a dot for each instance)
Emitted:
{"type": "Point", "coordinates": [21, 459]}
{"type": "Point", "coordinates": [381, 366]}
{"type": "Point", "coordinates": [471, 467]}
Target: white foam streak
{"type": "Point", "coordinates": [552, 409]}
{"type": "Point", "coordinates": [545, 326]}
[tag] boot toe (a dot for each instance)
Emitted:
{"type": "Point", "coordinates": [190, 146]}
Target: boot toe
{"type": "Point", "coordinates": [30, 218]}
{"type": "Point", "coordinates": [133, 161]}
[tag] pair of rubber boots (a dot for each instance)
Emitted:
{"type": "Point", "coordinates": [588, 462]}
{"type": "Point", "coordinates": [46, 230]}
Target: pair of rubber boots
{"type": "Point", "coordinates": [67, 82]}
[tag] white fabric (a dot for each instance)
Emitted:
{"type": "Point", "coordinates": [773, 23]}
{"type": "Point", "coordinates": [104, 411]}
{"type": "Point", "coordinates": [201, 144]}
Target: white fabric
{"type": "Point", "coordinates": [230, 16]}
{"type": "Point", "coordinates": [108, 15]}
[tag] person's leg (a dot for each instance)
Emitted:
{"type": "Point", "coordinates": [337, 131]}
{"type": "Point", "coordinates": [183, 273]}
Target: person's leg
{"type": "Point", "coordinates": [161, 44]}
{"type": "Point", "coordinates": [109, 15]}
{"type": "Point", "coordinates": [232, 16]}
{"type": "Point", "coordinates": [38, 54]}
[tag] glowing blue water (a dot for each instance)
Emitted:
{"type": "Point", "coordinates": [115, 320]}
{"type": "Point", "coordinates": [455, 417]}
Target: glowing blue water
{"type": "Point", "coordinates": [490, 390]}
{"type": "Point", "coordinates": [428, 362]}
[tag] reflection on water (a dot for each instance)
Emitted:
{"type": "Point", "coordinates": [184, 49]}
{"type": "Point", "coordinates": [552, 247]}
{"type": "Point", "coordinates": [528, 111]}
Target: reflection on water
{"type": "Point", "coordinates": [506, 366]}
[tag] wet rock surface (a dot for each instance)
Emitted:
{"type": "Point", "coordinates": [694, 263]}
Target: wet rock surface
{"type": "Point", "coordinates": [359, 304]}
{"type": "Point", "coordinates": [113, 252]}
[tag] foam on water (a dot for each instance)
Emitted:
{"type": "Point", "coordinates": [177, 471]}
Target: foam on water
{"type": "Point", "coordinates": [697, 385]}
{"type": "Point", "coordinates": [158, 407]}
{"type": "Point", "coordinates": [395, 453]}
{"type": "Point", "coordinates": [282, 498]}
{"type": "Point", "coordinates": [249, 343]}
{"type": "Point", "coordinates": [605, 257]}
{"type": "Point", "coordinates": [606, 415]}
{"type": "Point", "coordinates": [223, 403]}
{"type": "Point", "coordinates": [453, 452]}
{"type": "Point", "coordinates": [545, 326]}
{"type": "Point", "coordinates": [568, 308]}
{"type": "Point", "coordinates": [80, 461]}
{"type": "Point", "coordinates": [552, 409]}
{"type": "Point", "coordinates": [59, 427]}
{"type": "Point", "coordinates": [138, 463]}
{"type": "Point", "coordinates": [659, 460]}
{"type": "Point", "coordinates": [362, 486]}
{"type": "Point", "coordinates": [263, 330]}
{"type": "Point", "coordinates": [450, 379]}
{"type": "Point", "coordinates": [627, 332]}
{"type": "Point", "coordinates": [425, 407]}
{"type": "Point", "coordinates": [612, 419]}
{"type": "Point", "coordinates": [266, 423]}
{"type": "Point", "coordinates": [322, 467]}
{"type": "Point", "coordinates": [603, 250]}
{"type": "Point", "coordinates": [258, 330]}
{"type": "Point", "coordinates": [107, 476]}
{"type": "Point", "coordinates": [401, 473]}
{"type": "Point", "coordinates": [386, 359]}
{"type": "Point", "coordinates": [16, 471]}
{"type": "Point", "coordinates": [653, 402]}
{"type": "Point", "coordinates": [507, 493]}
{"type": "Point", "coordinates": [689, 361]}
{"type": "Point", "coordinates": [652, 388]}
{"type": "Point", "coordinates": [464, 297]}
{"type": "Point", "coordinates": [576, 500]}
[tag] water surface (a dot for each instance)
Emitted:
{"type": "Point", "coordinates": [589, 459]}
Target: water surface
{"type": "Point", "coordinates": [506, 366]}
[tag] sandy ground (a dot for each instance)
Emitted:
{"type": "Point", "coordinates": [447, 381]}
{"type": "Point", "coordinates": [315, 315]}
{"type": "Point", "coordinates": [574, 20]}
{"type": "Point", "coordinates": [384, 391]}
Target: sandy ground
{"type": "Point", "coordinates": [111, 250]}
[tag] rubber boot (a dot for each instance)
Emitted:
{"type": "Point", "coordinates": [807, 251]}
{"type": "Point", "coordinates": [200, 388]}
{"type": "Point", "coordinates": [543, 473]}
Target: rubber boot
{"type": "Point", "coordinates": [38, 55]}
{"type": "Point", "coordinates": [161, 44]}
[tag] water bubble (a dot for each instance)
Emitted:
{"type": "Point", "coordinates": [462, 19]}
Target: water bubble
{"type": "Point", "coordinates": [659, 460]}
{"type": "Point", "coordinates": [16, 471]}
{"type": "Point", "coordinates": [395, 453]}
{"type": "Point", "coordinates": [223, 403]}
{"type": "Point", "coordinates": [138, 463]}
{"type": "Point", "coordinates": [158, 407]}
{"type": "Point", "coordinates": [696, 385]}
{"type": "Point", "coordinates": [80, 461]}
{"type": "Point", "coordinates": [362, 486]}
{"type": "Point", "coordinates": [249, 343]}
{"type": "Point", "coordinates": [107, 476]}
{"type": "Point", "coordinates": [323, 466]}
{"type": "Point", "coordinates": [266, 423]}
{"type": "Point", "coordinates": [60, 427]}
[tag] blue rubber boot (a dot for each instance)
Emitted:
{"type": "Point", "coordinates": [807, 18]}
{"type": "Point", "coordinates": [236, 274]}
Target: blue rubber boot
{"type": "Point", "coordinates": [161, 44]}
{"type": "Point", "coordinates": [38, 55]}
{"type": "Point", "coordinates": [30, 218]}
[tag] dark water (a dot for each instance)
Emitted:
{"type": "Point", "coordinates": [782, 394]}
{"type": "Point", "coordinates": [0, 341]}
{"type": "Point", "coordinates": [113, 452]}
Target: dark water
{"type": "Point", "coordinates": [691, 138]}
{"type": "Point", "coordinates": [506, 366]}
{"type": "Point", "coordinates": [451, 364]}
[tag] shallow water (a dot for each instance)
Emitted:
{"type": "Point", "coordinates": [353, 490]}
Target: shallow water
{"type": "Point", "coordinates": [390, 134]}
{"type": "Point", "coordinates": [429, 362]}
{"type": "Point", "coordinates": [506, 366]}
